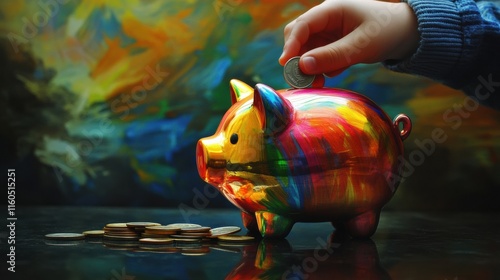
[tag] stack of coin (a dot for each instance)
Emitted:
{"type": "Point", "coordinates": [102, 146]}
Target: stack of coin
{"type": "Point", "coordinates": [159, 231]}
{"type": "Point", "coordinates": [141, 226]}
{"type": "Point", "coordinates": [185, 238]}
{"type": "Point", "coordinates": [120, 231]}
{"type": "Point", "coordinates": [198, 232]}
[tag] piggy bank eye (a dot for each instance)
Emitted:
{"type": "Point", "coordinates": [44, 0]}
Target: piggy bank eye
{"type": "Point", "coordinates": [234, 138]}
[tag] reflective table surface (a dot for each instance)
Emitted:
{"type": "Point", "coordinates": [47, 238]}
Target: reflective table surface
{"type": "Point", "coordinates": [407, 245]}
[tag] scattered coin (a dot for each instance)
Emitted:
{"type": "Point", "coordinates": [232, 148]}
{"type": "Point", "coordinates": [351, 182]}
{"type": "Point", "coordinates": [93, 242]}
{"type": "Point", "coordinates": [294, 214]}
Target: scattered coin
{"type": "Point", "coordinates": [186, 240]}
{"type": "Point", "coordinates": [196, 229]}
{"type": "Point", "coordinates": [294, 76]}
{"type": "Point", "coordinates": [156, 240]}
{"type": "Point", "coordinates": [152, 235]}
{"type": "Point", "coordinates": [142, 224]}
{"type": "Point", "coordinates": [94, 233]}
{"type": "Point", "coordinates": [117, 225]}
{"type": "Point", "coordinates": [197, 234]}
{"type": "Point", "coordinates": [183, 226]}
{"type": "Point", "coordinates": [65, 236]}
{"type": "Point", "coordinates": [163, 230]}
{"type": "Point", "coordinates": [223, 231]}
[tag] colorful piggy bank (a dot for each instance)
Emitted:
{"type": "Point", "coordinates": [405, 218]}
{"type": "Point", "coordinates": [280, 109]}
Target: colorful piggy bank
{"type": "Point", "coordinates": [304, 155]}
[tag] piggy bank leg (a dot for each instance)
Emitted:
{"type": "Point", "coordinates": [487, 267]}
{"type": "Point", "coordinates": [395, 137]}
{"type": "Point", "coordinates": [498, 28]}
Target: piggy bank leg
{"type": "Point", "coordinates": [249, 221]}
{"type": "Point", "coordinates": [273, 225]}
{"type": "Point", "coordinates": [363, 225]}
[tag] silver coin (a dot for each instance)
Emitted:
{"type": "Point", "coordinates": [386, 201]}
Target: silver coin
{"type": "Point", "coordinates": [223, 231]}
{"type": "Point", "coordinates": [65, 236]}
{"type": "Point", "coordinates": [294, 76]}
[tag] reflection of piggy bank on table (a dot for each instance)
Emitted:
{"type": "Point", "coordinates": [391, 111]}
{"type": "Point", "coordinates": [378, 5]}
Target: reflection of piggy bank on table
{"type": "Point", "coordinates": [304, 155]}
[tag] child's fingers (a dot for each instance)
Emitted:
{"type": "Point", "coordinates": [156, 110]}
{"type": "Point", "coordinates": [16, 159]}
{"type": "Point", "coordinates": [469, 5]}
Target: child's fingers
{"type": "Point", "coordinates": [298, 32]}
{"type": "Point", "coordinates": [336, 56]}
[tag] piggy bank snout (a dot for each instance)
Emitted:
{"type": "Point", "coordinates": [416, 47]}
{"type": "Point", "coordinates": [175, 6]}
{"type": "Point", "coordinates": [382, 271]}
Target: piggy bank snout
{"type": "Point", "coordinates": [210, 160]}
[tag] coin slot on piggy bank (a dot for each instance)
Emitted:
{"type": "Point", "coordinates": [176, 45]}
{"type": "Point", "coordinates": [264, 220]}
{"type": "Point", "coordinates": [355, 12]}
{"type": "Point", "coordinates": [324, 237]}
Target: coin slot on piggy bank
{"type": "Point", "coordinates": [304, 155]}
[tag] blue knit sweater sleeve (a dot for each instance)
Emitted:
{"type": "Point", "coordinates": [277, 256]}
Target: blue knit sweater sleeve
{"type": "Point", "coordinates": [459, 46]}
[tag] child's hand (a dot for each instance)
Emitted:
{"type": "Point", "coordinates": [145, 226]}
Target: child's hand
{"type": "Point", "coordinates": [337, 34]}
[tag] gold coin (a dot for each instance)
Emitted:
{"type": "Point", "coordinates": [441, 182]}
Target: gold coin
{"type": "Point", "coordinates": [121, 237]}
{"type": "Point", "coordinates": [153, 235]}
{"type": "Point", "coordinates": [163, 228]}
{"type": "Point", "coordinates": [117, 225]}
{"type": "Point", "coordinates": [118, 230]}
{"type": "Point", "coordinates": [187, 240]}
{"type": "Point", "coordinates": [156, 240]}
{"type": "Point", "coordinates": [236, 238]}
{"type": "Point", "coordinates": [195, 229]}
{"type": "Point", "coordinates": [121, 232]}
{"type": "Point", "coordinates": [142, 224]}
{"type": "Point", "coordinates": [196, 234]}
{"type": "Point", "coordinates": [65, 236]}
{"type": "Point", "coordinates": [93, 233]}
{"type": "Point", "coordinates": [182, 236]}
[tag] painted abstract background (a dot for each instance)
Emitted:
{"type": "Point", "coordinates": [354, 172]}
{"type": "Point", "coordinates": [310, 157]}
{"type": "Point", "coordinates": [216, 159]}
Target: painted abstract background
{"type": "Point", "coordinates": [102, 102]}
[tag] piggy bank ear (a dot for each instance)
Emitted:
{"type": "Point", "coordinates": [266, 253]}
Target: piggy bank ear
{"type": "Point", "coordinates": [275, 112]}
{"type": "Point", "coordinates": [239, 90]}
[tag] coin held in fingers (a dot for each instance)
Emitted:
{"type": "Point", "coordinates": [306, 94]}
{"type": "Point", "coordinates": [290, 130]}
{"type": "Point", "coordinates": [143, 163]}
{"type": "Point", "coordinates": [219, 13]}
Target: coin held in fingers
{"type": "Point", "coordinates": [294, 76]}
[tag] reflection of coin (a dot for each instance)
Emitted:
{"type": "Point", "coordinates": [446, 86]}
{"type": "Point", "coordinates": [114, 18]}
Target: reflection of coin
{"type": "Point", "coordinates": [64, 242]}
{"type": "Point", "coordinates": [236, 238]}
{"type": "Point", "coordinates": [65, 236]}
{"type": "Point", "coordinates": [122, 237]}
{"type": "Point", "coordinates": [294, 76]}
{"type": "Point", "coordinates": [195, 251]}
{"type": "Point", "coordinates": [156, 240]}
{"type": "Point", "coordinates": [224, 230]}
